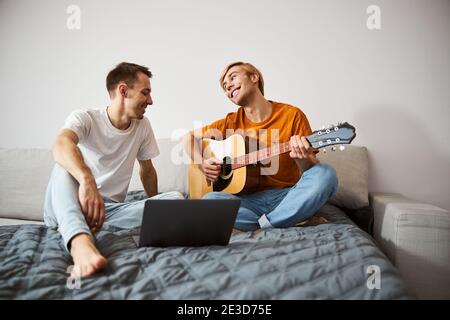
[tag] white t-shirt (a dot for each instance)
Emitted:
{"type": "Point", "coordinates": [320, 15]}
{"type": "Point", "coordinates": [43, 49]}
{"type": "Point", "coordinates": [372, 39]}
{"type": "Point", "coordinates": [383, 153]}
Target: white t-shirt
{"type": "Point", "coordinates": [109, 152]}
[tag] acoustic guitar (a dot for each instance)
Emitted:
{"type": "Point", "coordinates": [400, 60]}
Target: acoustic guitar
{"type": "Point", "coordinates": [240, 169]}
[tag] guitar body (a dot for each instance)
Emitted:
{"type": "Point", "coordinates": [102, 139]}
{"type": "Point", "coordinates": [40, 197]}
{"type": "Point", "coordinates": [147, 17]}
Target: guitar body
{"type": "Point", "coordinates": [230, 182]}
{"type": "Point", "coordinates": [240, 170]}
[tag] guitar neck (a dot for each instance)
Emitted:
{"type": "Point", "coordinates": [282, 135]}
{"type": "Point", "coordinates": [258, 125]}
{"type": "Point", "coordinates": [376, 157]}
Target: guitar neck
{"type": "Point", "coordinates": [260, 155]}
{"type": "Point", "coordinates": [340, 134]}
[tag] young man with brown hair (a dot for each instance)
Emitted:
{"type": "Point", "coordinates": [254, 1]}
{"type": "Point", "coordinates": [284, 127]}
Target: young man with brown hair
{"type": "Point", "coordinates": [95, 153]}
{"type": "Point", "coordinates": [299, 187]}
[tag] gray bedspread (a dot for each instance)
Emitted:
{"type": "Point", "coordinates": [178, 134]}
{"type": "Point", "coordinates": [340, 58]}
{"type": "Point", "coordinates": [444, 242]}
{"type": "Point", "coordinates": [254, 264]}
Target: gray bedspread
{"type": "Point", "coordinates": [328, 261]}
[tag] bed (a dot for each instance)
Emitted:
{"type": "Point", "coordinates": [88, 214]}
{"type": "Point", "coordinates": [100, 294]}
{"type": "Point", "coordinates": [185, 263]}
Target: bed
{"type": "Point", "coordinates": [336, 260]}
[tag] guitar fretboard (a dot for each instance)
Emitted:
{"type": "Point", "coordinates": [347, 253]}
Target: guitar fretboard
{"type": "Point", "coordinates": [260, 155]}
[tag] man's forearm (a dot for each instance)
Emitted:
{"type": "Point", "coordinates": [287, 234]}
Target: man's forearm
{"type": "Point", "coordinates": [150, 183]}
{"type": "Point", "coordinates": [192, 145]}
{"type": "Point", "coordinates": [69, 156]}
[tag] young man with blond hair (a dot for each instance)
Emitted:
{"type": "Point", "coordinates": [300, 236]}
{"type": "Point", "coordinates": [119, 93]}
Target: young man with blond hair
{"type": "Point", "coordinates": [301, 185]}
{"type": "Point", "coordinates": [95, 153]}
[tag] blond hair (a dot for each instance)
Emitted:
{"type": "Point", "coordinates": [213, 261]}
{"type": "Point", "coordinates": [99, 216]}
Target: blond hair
{"type": "Point", "coordinates": [249, 68]}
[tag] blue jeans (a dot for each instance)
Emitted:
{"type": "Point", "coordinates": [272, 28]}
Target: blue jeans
{"type": "Point", "coordinates": [283, 208]}
{"type": "Point", "coordinates": [62, 209]}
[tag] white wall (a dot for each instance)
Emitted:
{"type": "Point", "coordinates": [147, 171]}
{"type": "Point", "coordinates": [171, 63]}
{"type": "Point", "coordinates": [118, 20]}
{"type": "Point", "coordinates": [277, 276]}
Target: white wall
{"type": "Point", "coordinates": [392, 84]}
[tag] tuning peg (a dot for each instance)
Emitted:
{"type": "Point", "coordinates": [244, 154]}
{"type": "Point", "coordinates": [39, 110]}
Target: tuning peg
{"type": "Point", "coordinates": [342, 148]}
{"type": "Point", "coordinates": [323, 127]}
{"type": "Point", "coordinates": [324, 150]}
{"type": "Point", "coordinates": [333, 148]}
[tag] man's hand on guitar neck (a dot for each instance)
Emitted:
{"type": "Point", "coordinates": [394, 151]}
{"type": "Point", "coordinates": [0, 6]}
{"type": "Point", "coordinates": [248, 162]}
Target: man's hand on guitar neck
{"type": "Point", "coordinates": [211, 169]}
{"type": "Point", "coordinates": [302, 153]}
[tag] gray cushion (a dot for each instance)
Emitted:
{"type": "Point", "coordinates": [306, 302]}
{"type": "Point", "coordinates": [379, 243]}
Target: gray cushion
{"type": "Point", "coordinates": [8, 222]}
{"type": "Point", "coordinates": [352, 168]}
{"type": "Point", "coordinates": [24, 176]}
{"type": "Point", "coordinates": [25, 173]}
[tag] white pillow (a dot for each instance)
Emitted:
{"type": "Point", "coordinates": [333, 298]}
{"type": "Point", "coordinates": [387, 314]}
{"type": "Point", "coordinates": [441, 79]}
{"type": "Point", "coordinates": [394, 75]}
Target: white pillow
{"type": "Point", "coordinates": [170, 168]}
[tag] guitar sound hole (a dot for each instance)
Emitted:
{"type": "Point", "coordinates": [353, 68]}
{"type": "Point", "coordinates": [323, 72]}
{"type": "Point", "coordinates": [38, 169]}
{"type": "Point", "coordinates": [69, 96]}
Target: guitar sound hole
{"type": "Point", "coordinates": [226, 168]}
{"type": "Point", "coordinates": [225, 176]}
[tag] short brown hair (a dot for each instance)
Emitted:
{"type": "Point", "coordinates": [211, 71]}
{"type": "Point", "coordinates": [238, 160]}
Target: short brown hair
{"type": "Point", "coordinates": [126, 72]}
{"type": "Point", "coordinates": [249, 68]}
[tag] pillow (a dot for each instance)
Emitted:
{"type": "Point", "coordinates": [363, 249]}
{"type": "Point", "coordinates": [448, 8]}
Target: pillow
{"type": "Point", "coordinates": [352, 169]}
{"type": "Point", "coordinates": [24, 173]}
{"type": "Point", "coordinates": [170, 167]}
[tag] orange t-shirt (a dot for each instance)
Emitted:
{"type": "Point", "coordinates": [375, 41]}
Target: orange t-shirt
{"type": "Point", "coordinates": [285, 121]}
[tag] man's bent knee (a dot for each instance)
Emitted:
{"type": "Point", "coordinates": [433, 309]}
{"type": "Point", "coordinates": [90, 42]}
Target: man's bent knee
{"type": "Point", "coordinates": [331, 178]}
{"type": "Point", "coordinates": [327, 176]}
{"type": "Point", "coordinates": [173, 195]}
{"type": "Point", "coordinates": [217, 196]}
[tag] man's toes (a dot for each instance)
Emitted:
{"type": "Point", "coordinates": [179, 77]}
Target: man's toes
{"type": "Point", "coordinates": [100, 263]}
{"type": "Point", "coordinates": [89, 270]}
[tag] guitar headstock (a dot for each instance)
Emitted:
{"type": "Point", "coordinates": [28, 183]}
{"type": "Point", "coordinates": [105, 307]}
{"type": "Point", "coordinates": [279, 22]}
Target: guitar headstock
{"type": "Point", "coordinates": [342, 133]}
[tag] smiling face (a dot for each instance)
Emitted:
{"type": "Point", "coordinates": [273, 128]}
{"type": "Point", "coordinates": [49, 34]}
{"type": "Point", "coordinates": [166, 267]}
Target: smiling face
{"type": "Point", "coordinates": [239, 85]}
{"type": "Point", "coordinates": [138, 97]}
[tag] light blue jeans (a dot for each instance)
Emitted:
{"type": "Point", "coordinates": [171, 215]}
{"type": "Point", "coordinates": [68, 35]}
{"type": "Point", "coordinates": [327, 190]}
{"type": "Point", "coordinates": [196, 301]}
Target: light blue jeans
{"type": "Point", "coordinates": [283, 208]}
{"type": "Point", "coordinates": [62, 209]}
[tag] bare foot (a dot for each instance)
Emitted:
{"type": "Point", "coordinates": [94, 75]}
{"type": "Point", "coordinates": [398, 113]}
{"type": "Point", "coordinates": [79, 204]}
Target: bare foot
{"type": "Point", "coordinates": [257, 231]}
{"type": "Point", "coordinates": [235, 231]}
{"type": "Point", "coordinates": [86, 257]}
{"type": "Point", "coordinates": [313, 221]}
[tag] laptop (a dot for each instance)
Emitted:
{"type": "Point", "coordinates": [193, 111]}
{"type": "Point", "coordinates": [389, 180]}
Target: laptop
{"type": "Point", "coordinates": [190, 223]}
